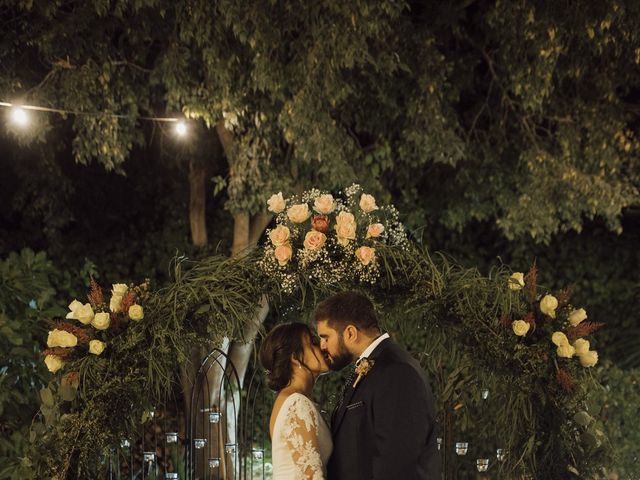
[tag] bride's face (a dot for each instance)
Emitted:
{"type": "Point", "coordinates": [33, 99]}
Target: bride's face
{"type": "Point", "coordinates": [313, 357]}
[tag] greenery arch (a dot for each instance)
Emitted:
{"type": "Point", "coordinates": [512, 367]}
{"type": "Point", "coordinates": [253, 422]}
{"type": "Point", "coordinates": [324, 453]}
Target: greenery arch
{"type": "Point", "coordinates": [495, 388]}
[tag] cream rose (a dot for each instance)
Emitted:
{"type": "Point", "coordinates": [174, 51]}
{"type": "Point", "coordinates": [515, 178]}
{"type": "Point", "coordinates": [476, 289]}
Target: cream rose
{"type": "Point", "coordinates": [516, 281]}
{"type": "Point", "coordinates": [84, 314]}
{"type": "Point", "coordinates": [375, 230]}
{"type": "Point", "coordinates": [581, 345]}
{"type": "Point", "coordinates": [345, 217]}
{"type": "Point", "coordinates": [279, 235]}
{"type": "Point", "coordinates": [96, 347]}
{"type": "Point", "coordinates": [101, 321]}
{"type": "Point", "coordinates": [565, 351]}
{"type": "Point", "coordinates": [559, 339]}
{"type": "Point", "coordinates": [324, 204]}
{"type": "Point", "coordinates": [314, 240]}
{"type": "Point", "coordinates": [577, 316]}
{"type": "Point", "coordinates": [345, 233]}
{"type": "Point", "coordinates": [53, 363]}
{"type": "Point", "coordinates": [589, 359]}
{"type": "Point", "coordinates": [73, 306]}
{"type": "Point", "coordinates": [119, 289]}
{"type": "Point", "coordinates": [276, 203]}
{"type": "Point", "coordinates": [368, 203]}
{"type": "Point", "coordinates": [115, 304]}
{"type": "Point", "coordinates": [61, 338]}
{"type": "Point", "coordinates": [283, 254]}
{"type": "Point", "coordinates": [548, 305]}
{"type": "Point", "coordinates": [365, 254]}
{"type": "Point", "coordinates": [520, 327]}
{"type": "Point", "coordinates": [136, 312]}
{"type": "Point", "coordinates": [299, 213]}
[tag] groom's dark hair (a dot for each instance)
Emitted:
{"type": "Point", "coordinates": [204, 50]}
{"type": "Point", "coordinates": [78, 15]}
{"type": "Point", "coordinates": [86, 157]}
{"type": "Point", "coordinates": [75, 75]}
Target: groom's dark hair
{"type": "Point", "coordinates": [347, 308]}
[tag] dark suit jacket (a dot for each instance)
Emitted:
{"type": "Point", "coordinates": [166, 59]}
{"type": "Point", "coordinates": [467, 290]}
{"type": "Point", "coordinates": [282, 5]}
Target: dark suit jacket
{"type": "Point", "coordinates": [385, 427]}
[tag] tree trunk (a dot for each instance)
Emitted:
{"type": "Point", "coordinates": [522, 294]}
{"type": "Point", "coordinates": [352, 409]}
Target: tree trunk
{"type": "Point", "coordinates": [197, 203]}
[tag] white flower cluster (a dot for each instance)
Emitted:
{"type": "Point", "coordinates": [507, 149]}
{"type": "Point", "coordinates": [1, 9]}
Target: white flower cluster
{"type": "Point", "coordinates": [329, 239]}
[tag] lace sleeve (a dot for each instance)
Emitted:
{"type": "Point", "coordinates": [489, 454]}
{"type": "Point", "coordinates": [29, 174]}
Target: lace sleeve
{"type": "Point", "coordinates": [301, 436]}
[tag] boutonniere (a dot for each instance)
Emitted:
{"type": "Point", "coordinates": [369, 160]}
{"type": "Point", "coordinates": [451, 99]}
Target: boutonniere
{"type": "Point", "coordinates": [363, 367]}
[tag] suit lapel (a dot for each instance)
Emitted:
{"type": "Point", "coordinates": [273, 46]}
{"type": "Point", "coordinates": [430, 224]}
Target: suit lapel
{"type": "Point", "coordinates": [350, 391]}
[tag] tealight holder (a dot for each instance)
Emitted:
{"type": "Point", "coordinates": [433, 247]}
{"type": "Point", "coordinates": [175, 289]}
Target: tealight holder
{"type": "Point", "coordinates": [462, 448]}
{"type": "Point", "coordinates": [171, 437]}
{"type": "Point", "coordinates": [501, 454]}
{"type": "Point", "coordinates": [171, 476]}
{"type": "Point", "coordinates": [149, 457]}
{"type": "Point", "coordinates": [214, 462]}
{"type": "Point", "coordinates": [199, 443]}
{"type": "Point", "coordinates": [439, 441]}
{"type": "Point", "coordinates": [482, 464]}
{"type": "Point", "coordinates": [230, 448]}
{"type": "Point", "coordinates": [124, 443]}
{"type": "Point", "coordinates": [258, 453]}
{"type": "Point", "coordinates": [484, 393]}
{"type": "Point", "coordinates": [214, 417]}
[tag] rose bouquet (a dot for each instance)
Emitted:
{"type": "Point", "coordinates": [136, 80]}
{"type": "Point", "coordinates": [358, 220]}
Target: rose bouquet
{"type": "Point", "coordinates": [554, 321]}
{"type": "Point", "coordinates": [88, 327]}
{"type": "Point", "coordinates": [331, 239]}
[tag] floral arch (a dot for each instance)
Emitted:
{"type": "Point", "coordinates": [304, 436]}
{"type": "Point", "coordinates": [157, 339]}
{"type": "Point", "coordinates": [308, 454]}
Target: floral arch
{"type": "Point", "coordinates": [508, 360]}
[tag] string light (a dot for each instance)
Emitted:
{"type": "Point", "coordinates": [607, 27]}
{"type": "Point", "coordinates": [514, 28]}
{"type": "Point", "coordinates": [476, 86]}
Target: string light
{"type": "Point", "coordinates": [20, 117]}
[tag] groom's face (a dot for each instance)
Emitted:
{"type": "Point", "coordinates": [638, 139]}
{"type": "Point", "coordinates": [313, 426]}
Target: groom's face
{"type": "Point", "coordinates": [333, 347]}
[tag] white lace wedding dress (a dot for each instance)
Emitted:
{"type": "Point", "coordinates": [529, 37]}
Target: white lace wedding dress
{"type": "Point", "coordinates": [301, 442]}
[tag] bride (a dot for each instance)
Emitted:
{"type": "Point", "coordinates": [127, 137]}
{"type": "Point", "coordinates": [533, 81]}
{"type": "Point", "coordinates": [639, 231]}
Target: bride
{"type": "Point", "coordinates": [300, 438]}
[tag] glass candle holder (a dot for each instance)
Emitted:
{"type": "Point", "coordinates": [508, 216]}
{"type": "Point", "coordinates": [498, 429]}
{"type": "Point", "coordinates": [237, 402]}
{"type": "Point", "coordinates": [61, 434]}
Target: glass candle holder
{"type": "Point", "coordinates": [124, 443]}
{"type": "Point", "coordinates": [462, 448]}
{"type": "Point", "coordinates": [149, 457]}
{"type": "Point", "coordinates": [439, 441]}
{"type": "Point", "coordinates": [171, 476]}
{"type": "Point", "coordinates": [171, 437]}
{"type": "Point", "coordinates": [501, 454]}
{"type": "Point", "coordinates": [258, 453]}
{"type": "Point", "coordinates": [214, 462]}
{"type": "Point", "coordinates": [230, 448]}
{"type": "Point", "coordinates": [199, 442]}
{"type": "Point", "coordinates": [484, 393]}
{"type": "Point", "coordinates": [214, 417]}
{"type": "Point", "coordinates": [482, 464]}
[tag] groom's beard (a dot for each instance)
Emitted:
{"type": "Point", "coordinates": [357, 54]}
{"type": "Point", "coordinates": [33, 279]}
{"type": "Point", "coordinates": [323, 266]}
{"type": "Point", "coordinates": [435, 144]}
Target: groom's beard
{"type": "Point", "coordinates": [341, 359]}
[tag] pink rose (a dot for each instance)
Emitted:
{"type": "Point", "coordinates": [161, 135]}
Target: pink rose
{"type": "Point", "coordinates": [314, 240]}
{"type": "Point", "coordinates": [279, 235]}
{"type": "Point", "coordinates": [283, 254]}
{"type": "Point", "coordinates": [375, 230]}
{"type": "Point", "coordinates": [365, 255]}
{"type": "Point", "coordinates": [345, 217]}
{"type": "Point", "coordinates": [345, 232]}
{"type": "Point", "coordinates": [299, 213]}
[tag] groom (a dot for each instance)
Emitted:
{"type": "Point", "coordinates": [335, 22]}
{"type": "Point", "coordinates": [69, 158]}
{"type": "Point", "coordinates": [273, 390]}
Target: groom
{"type": "Point", "coordinates": [384, 425]}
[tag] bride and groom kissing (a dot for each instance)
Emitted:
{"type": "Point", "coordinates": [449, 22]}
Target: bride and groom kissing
{"type": "Point", "coordinates": [383, 426]}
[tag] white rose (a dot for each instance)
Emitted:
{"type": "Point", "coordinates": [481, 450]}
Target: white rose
{"type": "Point", "coordinates": [366, 255]}
{"type": "Point", "coordinates": [101, 320]}
{"type": "Point", "coordinates": [565, 351]}
{"type": "Point", "coordinates": [119, 289]}
{"type": "Point", "coordinates": [53, 363]}
{"type": "Point", "coordinates": [73, 306]}
{"type": "Point", "coordinates": [345, 218]}
{"type": "Point", "coordinates": [136, 312]}
{"type": "Point", "coordinates": [577, 316]}
{"type": "Point", "coordinates": [299, 213]}
{"type": "Point", "coordinates": [283, 254]}
{"type": "Point", "coordinates": [520, 327]}
{"type": "Point", "coordinates": [314, 240]}
{"type": "Point", "coordinates": [84, 314]}
{"type": "Point", "coordinates": [115, 304]}
{"type": "Point", "coordinates": [279, 235]}
{"type": "Point", "coordinates": [548, 305]}
{"type": "Point", "coordinates": [367, 203]}
{"type": "Point", "coordinates": [581, 345]}
{"type": "Point", "coordinates": [375, 230]}
{"type": "Point", "coordinates": [276, 203]}
{"type": "Point", "coordinates": [96, 347]}
{"type": "Point", "coordinates": [559, 339]}
{"type": "Point", "coordinates": [345, 233]}
{"type": "Point", "coordinates": [324, 204]}
{"type": "Point", "coordinates": [589, 359]}
{"type": "Point", "coordinates": [61, 338]}
{"type": "Point", "coordinates": [516, 281]}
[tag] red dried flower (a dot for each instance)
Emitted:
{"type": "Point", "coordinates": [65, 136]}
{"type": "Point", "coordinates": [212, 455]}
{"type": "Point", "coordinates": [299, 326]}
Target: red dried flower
{"type": "Point", "coordinates": [583, 329]}
{"type": "Point", "coordinates": [565, 380]}
{"type": "Point", "coordinates": [531, 283]}
{"type": "Point", "coordinates": [95, 296]}
{"type": "Point", "coordinates": [320, 223]}
{"type": "Point", "coordinates": [79, 332]}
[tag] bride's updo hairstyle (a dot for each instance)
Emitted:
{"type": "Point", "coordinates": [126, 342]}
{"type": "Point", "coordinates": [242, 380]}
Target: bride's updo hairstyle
{"type": "Point", "coordinates": [284, 342]}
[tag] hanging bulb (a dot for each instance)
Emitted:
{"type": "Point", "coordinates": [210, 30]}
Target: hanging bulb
{"type": "Point", "coordinates": [181, 128]}
{"type": "Point", "coordinates": [19, 117]}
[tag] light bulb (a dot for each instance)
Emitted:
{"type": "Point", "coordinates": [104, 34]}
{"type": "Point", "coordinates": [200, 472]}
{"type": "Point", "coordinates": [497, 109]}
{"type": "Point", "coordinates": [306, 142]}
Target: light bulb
{"type": "Point", "coordinates": [19, 117]}
{"type": "Point", "coordinates": [181, 128]}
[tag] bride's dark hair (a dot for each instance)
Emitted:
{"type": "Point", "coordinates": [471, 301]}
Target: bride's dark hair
{"type": "Point", "coordinates": [281, 344]}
